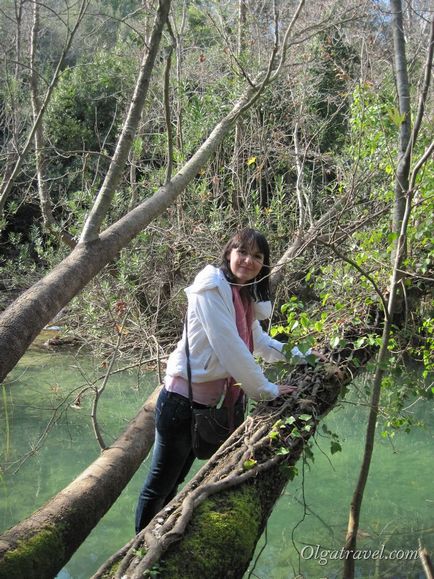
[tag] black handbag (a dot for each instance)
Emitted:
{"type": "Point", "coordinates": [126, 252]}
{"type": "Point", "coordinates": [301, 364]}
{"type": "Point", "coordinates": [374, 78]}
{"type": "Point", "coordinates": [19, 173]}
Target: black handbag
{"type": "Point", "coordinates": [210, 427]}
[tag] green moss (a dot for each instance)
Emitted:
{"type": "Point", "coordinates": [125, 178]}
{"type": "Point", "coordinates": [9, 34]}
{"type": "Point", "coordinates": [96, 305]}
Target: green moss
{"type": "Point", "coordinates": [35, 557]}
{"type": "Point", "coordinates": [222, 533]}
{"type": "Point", "coordinates": [112, 571]}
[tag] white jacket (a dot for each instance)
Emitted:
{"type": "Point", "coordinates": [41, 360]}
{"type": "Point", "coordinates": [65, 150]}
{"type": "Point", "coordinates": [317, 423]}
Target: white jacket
{"type": "Point", "coordinates": [216, 349]}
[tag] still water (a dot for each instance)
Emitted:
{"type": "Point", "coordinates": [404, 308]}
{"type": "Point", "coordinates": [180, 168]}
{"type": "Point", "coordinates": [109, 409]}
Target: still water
{"type": "Point", "coordinates": [307, 527]}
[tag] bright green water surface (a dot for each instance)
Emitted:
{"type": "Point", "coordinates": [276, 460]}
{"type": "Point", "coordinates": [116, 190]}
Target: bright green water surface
{"type": "Point", "coordinates": [399, 500]}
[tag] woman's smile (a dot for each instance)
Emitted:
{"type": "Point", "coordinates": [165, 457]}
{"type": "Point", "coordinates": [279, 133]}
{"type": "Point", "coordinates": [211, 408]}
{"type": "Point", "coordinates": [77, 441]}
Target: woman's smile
{"type": "Point", "coordinates": [245, 265]}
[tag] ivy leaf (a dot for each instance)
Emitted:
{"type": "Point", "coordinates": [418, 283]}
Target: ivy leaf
{"type": "Point", "coordinates": [305, 417]}
{"type": "Point", "coordinates": [249, 464]}
{"type": "Point", "coordinates": [273, 435]}
{"type": "Point", "coordinates": [282, 450]}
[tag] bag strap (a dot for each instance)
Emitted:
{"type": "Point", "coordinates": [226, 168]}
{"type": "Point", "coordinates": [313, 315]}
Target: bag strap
{"type": "Point", "coordinates": [187, 353]}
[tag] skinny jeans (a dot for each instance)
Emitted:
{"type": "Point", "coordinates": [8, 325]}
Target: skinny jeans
{"type": "Point", "coordinates": [172, 455]}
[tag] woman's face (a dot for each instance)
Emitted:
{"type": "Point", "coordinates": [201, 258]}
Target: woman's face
{"type": "Point", "coordinates": [245, 264]}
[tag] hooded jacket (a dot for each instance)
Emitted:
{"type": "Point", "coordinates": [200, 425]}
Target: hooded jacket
{"type": "Point", "coordinates": [216, 349]}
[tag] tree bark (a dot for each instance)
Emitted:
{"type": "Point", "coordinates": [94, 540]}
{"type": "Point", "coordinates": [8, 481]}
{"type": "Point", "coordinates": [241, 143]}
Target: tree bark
{"type": "Point", "coordinates": [103, 201]}
{"type": "Point", "coordinates": [40, 159]}
{"type": "Point", "coordinates": [426, 562]}
{"type": "Point", "coordinates": [238, 180]}
{"type": "Point", "coordinates": [403, 89]}
{"type": "Point", "coordinates": [43, 543]}
{"type": "Point", "coordinates": [44, 198]}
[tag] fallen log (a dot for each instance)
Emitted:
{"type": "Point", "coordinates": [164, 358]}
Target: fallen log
{"type": "Point", "coordinates": [43, 543]}
{"type": "Point", "coordinates": [211, 528]}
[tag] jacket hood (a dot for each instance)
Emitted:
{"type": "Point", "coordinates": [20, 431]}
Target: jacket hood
{"type": "Point", "coordinates": [211, 277]}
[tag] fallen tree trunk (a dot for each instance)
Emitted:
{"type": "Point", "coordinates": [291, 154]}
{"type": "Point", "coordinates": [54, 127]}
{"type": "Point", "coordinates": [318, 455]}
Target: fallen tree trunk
{"type": "Point", "coordinates": [211, 528]}
{"type": "Point", "coordinates": [42, 544]}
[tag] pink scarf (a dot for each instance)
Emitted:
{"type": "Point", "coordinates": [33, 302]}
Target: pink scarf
{"type": "Point", "coordinates": [243, 319]}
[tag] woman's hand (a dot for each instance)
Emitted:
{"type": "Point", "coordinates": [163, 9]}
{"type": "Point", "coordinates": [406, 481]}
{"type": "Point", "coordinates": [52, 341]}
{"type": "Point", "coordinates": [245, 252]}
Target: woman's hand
{"type": "Point", "coordinates": [286, 389]}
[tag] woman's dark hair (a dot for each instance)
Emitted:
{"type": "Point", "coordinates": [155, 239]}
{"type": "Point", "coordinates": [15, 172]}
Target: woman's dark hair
{"type": "Point", "coordinates": [250, 240]}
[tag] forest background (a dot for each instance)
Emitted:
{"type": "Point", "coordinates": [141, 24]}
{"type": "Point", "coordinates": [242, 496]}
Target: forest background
{"type": "Point", "coordinates": [313, 163]}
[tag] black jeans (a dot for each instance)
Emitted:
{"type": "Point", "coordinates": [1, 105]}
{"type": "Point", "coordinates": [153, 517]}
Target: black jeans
{"type": "Point", "coordinates": [172, 456]}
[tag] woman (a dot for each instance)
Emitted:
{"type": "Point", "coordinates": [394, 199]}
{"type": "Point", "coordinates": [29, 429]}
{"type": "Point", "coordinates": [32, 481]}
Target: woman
{"type": "Point", "coordinates": [224, 306]}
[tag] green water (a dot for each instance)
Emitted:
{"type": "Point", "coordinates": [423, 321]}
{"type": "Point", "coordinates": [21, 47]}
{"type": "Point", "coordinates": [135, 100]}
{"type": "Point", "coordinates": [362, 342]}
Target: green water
{"type": "Point", "coordinates": [399, 499]}
{"type": "Point", "coordinates": [398, 506]}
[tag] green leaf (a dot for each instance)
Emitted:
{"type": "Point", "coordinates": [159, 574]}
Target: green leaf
{"type": "Point", "coordinates": [305, 417]}
{"type": "Point", "coordinates": [249, 464]}
{"type": "Point", "coordinates": [395, 116]}
{"type": "Point", "coordinates": [318, 326]}
{"type": "Point", "coordinates": [282, 450]}
{"type": "Point", "coordinates": [293, 472]}
{"type": "Point", "coordinates": [325, 298]}
{"type": "Point", "coordinates": [335, 447]}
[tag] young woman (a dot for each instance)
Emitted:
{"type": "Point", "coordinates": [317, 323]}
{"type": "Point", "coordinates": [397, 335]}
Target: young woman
{"type": "Point", "coordinates": [224, 306]}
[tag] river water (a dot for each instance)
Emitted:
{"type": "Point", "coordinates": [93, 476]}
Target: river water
{"type": "Point", "coordinates": [39, 456]}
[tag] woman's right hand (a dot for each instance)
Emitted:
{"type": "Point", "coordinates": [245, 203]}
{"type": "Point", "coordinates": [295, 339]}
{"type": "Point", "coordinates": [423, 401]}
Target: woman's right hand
{"type": "Point", "coordinates": [286, 389]}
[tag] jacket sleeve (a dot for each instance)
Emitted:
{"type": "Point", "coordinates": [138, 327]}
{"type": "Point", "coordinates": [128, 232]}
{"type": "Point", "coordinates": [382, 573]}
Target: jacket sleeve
{"type": "Point", "coordinates": [233, 354]}
{"type": "Point", "coordinates": [270, 350]}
